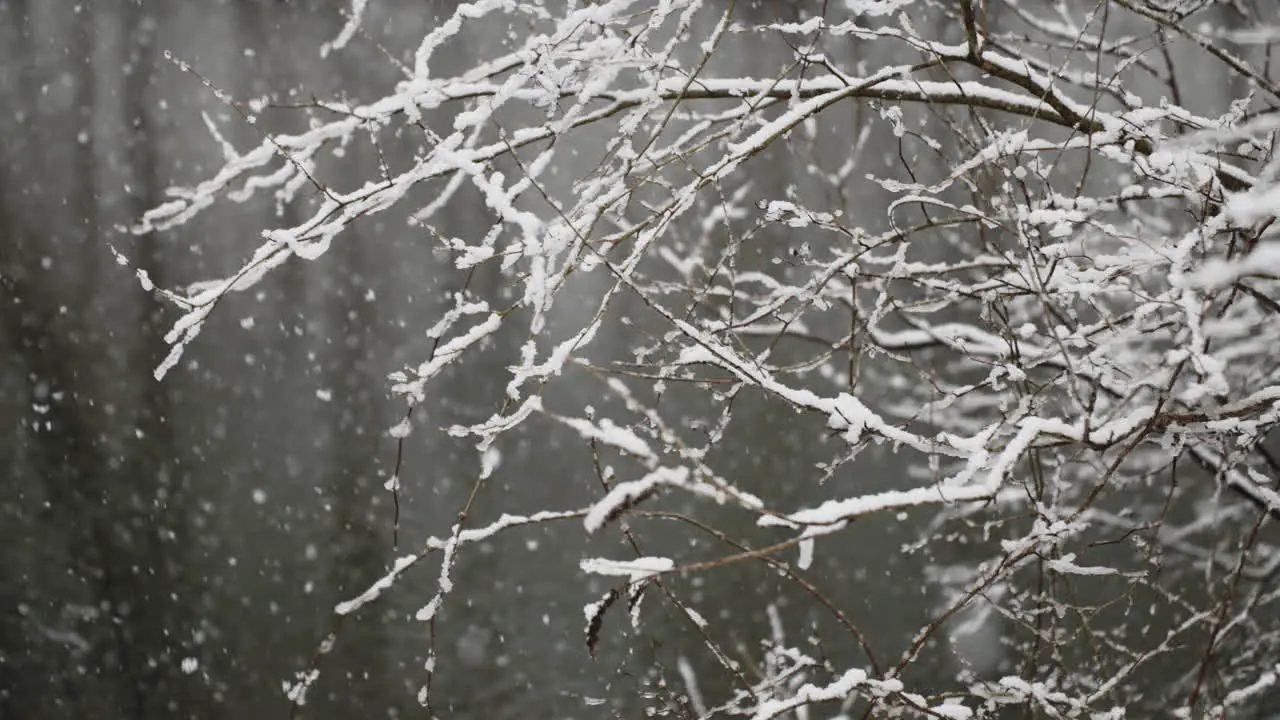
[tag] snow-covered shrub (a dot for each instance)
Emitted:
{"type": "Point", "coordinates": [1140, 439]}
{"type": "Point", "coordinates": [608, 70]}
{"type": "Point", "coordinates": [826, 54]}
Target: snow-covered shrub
{"type": "Point", "coordinates": [1012, 244]}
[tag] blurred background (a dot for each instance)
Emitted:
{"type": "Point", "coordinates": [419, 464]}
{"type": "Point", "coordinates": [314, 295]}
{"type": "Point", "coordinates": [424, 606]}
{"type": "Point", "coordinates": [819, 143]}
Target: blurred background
{"type": "Point", "coordinates": [176, 549]}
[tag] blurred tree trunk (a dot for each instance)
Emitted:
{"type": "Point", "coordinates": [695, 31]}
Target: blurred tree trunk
{"type": "Point", "coordinates": [359, 545]}
{"type": "Point", "coordinates": [359, 549]}
{"type": "Point", "coordinates": [168, 593]}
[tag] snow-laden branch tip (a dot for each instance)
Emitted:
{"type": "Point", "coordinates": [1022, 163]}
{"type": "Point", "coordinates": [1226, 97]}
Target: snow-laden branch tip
{"type": "Point", "coordinates": [636, 570]}
{"type": "Point", "coordinates": [354, 17]}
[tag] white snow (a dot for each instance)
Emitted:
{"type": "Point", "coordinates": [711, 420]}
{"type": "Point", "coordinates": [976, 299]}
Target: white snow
{"type": "Point", "coordinates": [626, 492]}
{"type": "Point", "coordinates": [806, 553]}
{"type": "Point", "coordinates": [953, 710]}
{"type": "Point", "coordinates": [637, 569]}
